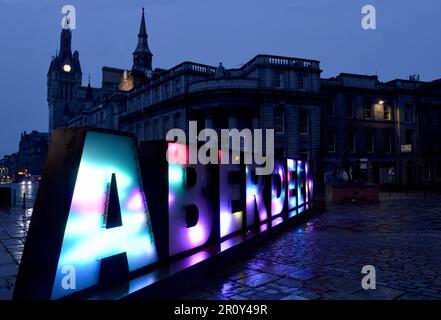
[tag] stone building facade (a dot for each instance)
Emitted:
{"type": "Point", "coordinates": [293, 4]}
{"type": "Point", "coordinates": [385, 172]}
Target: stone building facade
{"type": "Point", "coordinates": [267, 92]}
{"type": "Point", "coordinates": [313, 118]}
{"type": "Point", "coordinates": [394, 125]}
{"type": "Point", "coordinates": [30, 158]}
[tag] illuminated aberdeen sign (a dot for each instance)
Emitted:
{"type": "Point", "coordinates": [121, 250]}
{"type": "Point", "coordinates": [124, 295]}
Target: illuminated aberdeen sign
{"type": "Point", "coordinates": [108, 210]}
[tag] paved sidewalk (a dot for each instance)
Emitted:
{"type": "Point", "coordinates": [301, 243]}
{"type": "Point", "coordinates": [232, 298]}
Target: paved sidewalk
{"type": "Point", "coordinates": [323, 258]}
{"type": "Point", "coordinates": [14, 224]}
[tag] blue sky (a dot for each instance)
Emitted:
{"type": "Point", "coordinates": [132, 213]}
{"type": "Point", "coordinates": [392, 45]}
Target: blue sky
{"type": "Point", "coordinates": [407, 41]}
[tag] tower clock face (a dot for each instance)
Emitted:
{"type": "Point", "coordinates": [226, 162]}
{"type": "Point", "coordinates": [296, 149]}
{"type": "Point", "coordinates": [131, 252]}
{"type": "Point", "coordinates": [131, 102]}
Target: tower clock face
{"type": "Point", "coordinates": [67, 68]}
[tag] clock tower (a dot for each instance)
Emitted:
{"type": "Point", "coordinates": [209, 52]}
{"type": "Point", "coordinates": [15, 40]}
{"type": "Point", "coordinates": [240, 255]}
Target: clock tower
{"type": "Point", "coordinates": [63, 81]}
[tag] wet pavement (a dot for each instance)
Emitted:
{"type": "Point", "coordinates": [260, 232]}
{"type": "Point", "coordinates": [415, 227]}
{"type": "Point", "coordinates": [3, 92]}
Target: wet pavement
{"type": "Point", "coordinates": [319, 259]}
{"type": "Point", "coordinates": [323, 258]}
{"type": "Point", "coordinates": [14, 224]}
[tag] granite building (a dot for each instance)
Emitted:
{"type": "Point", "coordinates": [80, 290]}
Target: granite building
{"type": "Point", "coordinates": [393, 127]}
{"type": "Point", "coordinates": [30, 158]}
{"type": "Point", "coordinates": [267, 92]}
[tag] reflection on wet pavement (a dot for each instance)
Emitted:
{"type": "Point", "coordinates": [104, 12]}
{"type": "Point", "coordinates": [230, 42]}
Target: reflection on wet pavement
{"type": "Point", "coordinates": [14, 224]}
{"type": "Point", "coordinates": [323, 258]}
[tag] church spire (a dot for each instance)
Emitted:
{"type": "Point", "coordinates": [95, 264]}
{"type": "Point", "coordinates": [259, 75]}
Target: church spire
{"type": "Point", "coordinates": [142, 57]}
{"type": "Point", "coordinates": [142, 28]}
{"type": "Point", "coordinates": [89, 91]}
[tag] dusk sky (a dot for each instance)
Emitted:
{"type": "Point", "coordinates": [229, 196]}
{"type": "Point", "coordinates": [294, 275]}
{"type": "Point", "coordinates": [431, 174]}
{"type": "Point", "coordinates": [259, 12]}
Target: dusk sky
{"type": "Point", "coordinates": [407, 41]}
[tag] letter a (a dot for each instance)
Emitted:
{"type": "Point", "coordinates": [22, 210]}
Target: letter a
{"type": "Point", "coordinates": [92, 233]}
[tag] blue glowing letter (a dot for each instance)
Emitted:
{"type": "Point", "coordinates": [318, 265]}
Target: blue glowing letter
{"type": "Point", "coordinates": [254, 196]}
{"type": "Point", "coordinates": [87, 237]}
{"type": "Point", "coordinates": [292, 186]}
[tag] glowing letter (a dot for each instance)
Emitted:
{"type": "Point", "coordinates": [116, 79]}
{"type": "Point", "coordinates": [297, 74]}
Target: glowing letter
{"type": "Point", "coordinates": [89, 236]}
{"type": "Point", "coordinates": [309, 185]}
{"type": "Point", "coordinates": [278, 184]}
{"type": "Point", "coordinates": [254, 196]}
{"type": "Point", "coordinates": [301, 183]}
{"type": "Point", "coordinates": [231, 212]}
{"type": "Point", "coordinates": [292, 186]}
{"type": "Point", "coordinates": [190, 213]}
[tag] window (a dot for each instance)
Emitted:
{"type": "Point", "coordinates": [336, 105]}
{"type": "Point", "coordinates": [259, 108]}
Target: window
{"type": "Point", "coordinates": [408, 113]}
{"type": "Point", "coordinates": [409, 137]}
{"type": "Point", "coordinates": [387, 110]}
{"type": "Point", "coordinates": [165, 124]}
{"type": "Point", "coordinates": [139, 131]}
{"type": "Point", "coordinates": [279, 121]}
{"type": "Point", "coordinates": [156, 129]}
{"type": "Point", "coordinates": [146, 99]}
{"type": "Point", "coordinates": [425, 117]}
{"type": "Point", "coordinates": [350, 141]}
{"type": "Point", "coordinates": [303, 122]}
{"type": "Point", "coordinates": [388, 142]}
{"type": "Point", "coordinates": [178, 86]}
{"type": "Point", "coordinates": [427, 170]}
{"type": "Point", "coordinates": [176, 119]}
{"type": "Point", "coordinates": [349, 108]}
{"type": "Point", "coordinates": [370, 141]}
{"type": "Point", "coordinates": [368, 111]}
{"type": "Point", "coordinates": [304, 154]}
{"type": "Point", "coordinates": [329, 108]}
{"type": "Point", "coordinates": [279, 79]}
{"type": "Point", "coordinates": [156, 95]}
{"type": "Point", "coordinates": [330, 141]}
{"type": "Point", "coordinates": [301, 81]}
{"type": "Point", "coordinates": [147, 130]}
{"type": "Point", "coordinates": [166, 91]}
{"type": "Point", "coordinates": [434, 117]}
